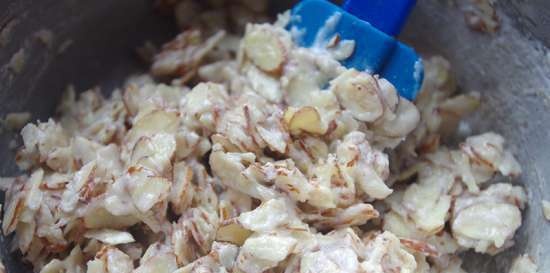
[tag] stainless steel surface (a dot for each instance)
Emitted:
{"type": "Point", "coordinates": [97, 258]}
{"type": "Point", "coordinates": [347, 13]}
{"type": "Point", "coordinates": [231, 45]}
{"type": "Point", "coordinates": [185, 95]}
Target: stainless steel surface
{"type": "Point", "coordinates": [511, 69]}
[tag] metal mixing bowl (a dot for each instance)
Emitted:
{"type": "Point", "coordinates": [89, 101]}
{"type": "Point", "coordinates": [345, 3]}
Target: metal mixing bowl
{"type": "Point", "coordinates": [511, 69]}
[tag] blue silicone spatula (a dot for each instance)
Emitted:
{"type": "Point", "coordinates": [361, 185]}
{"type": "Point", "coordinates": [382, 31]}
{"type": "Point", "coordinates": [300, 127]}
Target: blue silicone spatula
{"type": "Point", "coordinates": [372, 24]}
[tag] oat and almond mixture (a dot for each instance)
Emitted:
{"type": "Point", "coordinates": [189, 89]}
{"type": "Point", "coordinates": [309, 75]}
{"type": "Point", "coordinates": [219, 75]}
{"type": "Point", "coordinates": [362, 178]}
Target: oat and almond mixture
{"type": "Point", "coordinates": [523, 264]}
{"type": "Point", "coordinates": [259, 156]}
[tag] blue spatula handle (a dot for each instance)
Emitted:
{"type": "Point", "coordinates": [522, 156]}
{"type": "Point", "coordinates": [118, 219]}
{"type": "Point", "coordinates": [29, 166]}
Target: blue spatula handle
{"type": "Point", "coordinates": [388, 16]}
{"type": "Point", "coordinates": [375, 51]}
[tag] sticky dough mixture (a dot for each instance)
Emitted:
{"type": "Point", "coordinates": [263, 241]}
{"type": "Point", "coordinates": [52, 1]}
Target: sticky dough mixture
{"type": "Point", "coordinates": [259, 156]}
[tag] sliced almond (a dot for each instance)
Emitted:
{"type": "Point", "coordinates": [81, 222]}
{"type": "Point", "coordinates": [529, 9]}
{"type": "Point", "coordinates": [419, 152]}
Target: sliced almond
{"type": "Point", "coordinates": [155, 152]}
{"type": "Point", "coordinates": [101, 218]}
{"type": "Point", "coordinates": [420, 247]}
{"type": "Point", "coordinates": [12, 214]}
{"type": "Point", "coordinates": [523, 264]}
{"type": "Point", "coordinates": [161, 263]}
{"type": "Point", "coordinates": [358, 92]}
{"type": "Point", "coordinates": [265, 49]}
{"type": "Point", "coordinates": [305, 119]}
{"type": "Point", "coordinates": [264, 84]}
{"type": "Point", "coordinates": [148, 191]}
{"type": "Point", "coordinates": [546, 209]}
{"type": "Point", "coordinates": [34, 196]}
{"type": "Point", "coordinates": [157, 121]}
{"type": "Point", "coordinates": [96, 266]}
{"type": "Point", "coordinates": [76, 187]}
{"type": "Point", "coordinates": [110, 236]}
{"type": "Point", "coordinates": [405, 120]}
{"type": "Point", "coordinates": [389, 94]}
{"type": "Point", "coordinates": [181, 193]}
{"type": "Point", "coordinates": [232, 233]}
